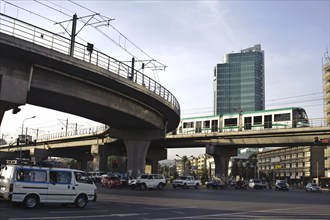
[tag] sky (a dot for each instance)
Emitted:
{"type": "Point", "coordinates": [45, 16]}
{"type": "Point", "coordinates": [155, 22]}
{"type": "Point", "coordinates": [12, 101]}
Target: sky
{"type": "Point", "coordinates": [190, 38]}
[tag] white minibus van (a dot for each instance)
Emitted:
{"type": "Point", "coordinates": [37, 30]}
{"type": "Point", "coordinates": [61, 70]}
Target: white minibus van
{"type": "Point", "coordinates": [32, 185]}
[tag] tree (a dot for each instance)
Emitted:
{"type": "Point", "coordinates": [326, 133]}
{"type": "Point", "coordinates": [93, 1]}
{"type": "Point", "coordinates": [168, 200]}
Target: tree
{"type": "Point", "coordinates": [234, 168]}
{"type": "Point", "coordinates": [241, 169]}
{"type": "Point", "coordinates": [3, 141]}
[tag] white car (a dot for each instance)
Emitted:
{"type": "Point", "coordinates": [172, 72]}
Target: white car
{"type": "Point", "coordinates": [186, 182]}
{"type": "Point", "coordinates": [148, 181]}
{"type": "Point", "coordinates": [313, 187]}
{"type": "Point", "coordinates": [255, 184]}
{"type": "Point", "coordinates": [96, 176]}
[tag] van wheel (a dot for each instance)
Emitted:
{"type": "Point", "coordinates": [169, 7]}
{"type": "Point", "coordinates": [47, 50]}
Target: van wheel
{"type": "Point", "coordinates": [31, 201]}
{"type": "Point", "coordinates": [81, 201]}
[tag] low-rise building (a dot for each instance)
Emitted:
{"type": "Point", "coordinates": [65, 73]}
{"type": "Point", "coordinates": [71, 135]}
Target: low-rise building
{"type": "Point", "coordinates": [296, 165]}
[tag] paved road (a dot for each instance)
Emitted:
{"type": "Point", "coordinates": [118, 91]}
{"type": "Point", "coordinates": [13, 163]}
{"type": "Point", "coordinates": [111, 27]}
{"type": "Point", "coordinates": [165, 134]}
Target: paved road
{"type": "Point", "coordinates": [185, 204]}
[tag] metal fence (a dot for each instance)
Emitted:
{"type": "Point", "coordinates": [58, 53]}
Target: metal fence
{"type": "Point", "coordinates": [81, 132]}
{"type": "Point", "coordinates": [39, 36]}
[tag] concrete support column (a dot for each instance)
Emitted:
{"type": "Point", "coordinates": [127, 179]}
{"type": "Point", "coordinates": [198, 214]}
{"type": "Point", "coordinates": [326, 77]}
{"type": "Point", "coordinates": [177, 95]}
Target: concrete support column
{"type": "Point", "coordinates": [38, 155]}
{"type": "Point", "coordinates": [154, 156]}
{"type": "Point", "coordinates": [136, 155]}
{"type": "Point", "coordinates": [83, 159]}
{"type": "Point", "coordinates": [96, 156]}
{"type": "Point", "coordinates": [2, 112]}
{"type": "Point", "coordinates": [221, 158]}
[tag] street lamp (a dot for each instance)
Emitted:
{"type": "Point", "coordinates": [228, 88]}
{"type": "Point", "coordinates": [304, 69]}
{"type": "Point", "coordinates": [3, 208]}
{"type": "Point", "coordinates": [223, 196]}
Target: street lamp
{"type": "Point", "coordinates": [20, 152]}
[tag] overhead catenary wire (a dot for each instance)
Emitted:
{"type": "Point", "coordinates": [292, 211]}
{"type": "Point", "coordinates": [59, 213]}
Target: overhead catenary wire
{"type": "Point", "coordinates": [51, 8]}
{"type": "Point", "coordinates": [271, 102]}
{"type": "Point", "coordinates": [104, 18]}
{"type": "Point", "coordinates": [31, 12]}
{"type": "Point", "coordinates": [101, 18]}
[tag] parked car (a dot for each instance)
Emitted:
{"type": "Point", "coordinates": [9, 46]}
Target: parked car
{"type": "Point", "coordinates": [96, 176]}
{"type": "Point", "coordinates": [215, 184]}
{"type": "Point", "coordinates": [255, 184]}
{"type": "Point", "coordinates": [185, 182]}
{"type": "Point", "coordinates": [264, 184]}
{"type": "Point", "coordinates": [148, 181]}
{"type": "Point", "coordinates": [281, 185]}
{"type": "Point", "coordinates": [313, 187]}
{"type": "Point", "coordinates": [231, 183]}
{"type": "Point", "coordinates": [241, 184]}
{"type": "Point", "coordinates": [111, 182]}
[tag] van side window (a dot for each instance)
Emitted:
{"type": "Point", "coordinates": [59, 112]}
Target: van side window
{"type": "Point", "coordinates": [30, 175]}
{"type": "Point", "coordinates": [61, 177]}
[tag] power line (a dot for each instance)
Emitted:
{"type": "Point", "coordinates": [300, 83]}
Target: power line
{"type": "Point", "coordinates": [51, 8]}
{"type": "Point", "coordinates": [72, 12]}
{"type": "Point", "coordinates": [29, 11]}
{"type": "Point", "coordinates": [299, 96]}
{"type": "Point", "coordinates": [104, 18]}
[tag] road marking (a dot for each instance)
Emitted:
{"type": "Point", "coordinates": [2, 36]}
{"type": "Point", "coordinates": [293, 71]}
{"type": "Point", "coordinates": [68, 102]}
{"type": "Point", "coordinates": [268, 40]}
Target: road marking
{"type": "Point", "coordinates": [89, 211]}
{"type": "Point", "coordinates": [229, 215]}
{"type": "Point", "coordinates": [81, 217]}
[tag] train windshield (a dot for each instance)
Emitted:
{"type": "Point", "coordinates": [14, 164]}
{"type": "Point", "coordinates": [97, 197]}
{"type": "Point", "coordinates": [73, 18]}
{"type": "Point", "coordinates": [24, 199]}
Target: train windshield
{"type": "Point", "coordinates": [300, 114]}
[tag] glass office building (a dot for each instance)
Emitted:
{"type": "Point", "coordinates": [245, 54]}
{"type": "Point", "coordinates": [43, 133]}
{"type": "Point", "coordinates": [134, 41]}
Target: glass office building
{"type": "Point", "coordinates": [239, 82]}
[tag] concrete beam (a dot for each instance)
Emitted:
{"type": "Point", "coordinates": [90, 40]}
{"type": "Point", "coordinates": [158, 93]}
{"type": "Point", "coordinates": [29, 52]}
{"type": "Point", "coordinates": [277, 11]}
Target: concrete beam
{"type": "Point", "coordinates": [137, 134]}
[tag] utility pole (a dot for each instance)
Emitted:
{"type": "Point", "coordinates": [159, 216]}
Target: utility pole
{"type": "Point", "coordinates": [73, 33]}
{"type": "Point", "coordinates": [66, 125]}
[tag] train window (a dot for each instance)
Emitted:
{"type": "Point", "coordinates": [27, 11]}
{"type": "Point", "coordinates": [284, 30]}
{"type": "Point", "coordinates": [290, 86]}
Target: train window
{"type": "Point", "coordinates": [214, 126]}
{"type": "Point", "coordinates": [206, 124]}
{"type": "Point", "coordinates": [247, 123]}
{"type": "Point", "coordinates": [282, 117]}
{"type": "Point", "coordinates": [231, 122]}
{"type": "Point", "coordinates": [188, 124]}
{"type": "Point", "coordinates": [257, 120]}
{"type": "Point", "coordinates": [198, 128]}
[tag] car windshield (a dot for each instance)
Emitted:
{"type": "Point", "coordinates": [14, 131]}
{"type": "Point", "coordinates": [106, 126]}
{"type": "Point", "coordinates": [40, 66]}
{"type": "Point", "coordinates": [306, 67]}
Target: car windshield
{"type": "Point", "coordinates": [256, 181]}
{"type": "Point", "coordinates": [182, 178]}
{"type": "Point", "coordinates": [314, 184]}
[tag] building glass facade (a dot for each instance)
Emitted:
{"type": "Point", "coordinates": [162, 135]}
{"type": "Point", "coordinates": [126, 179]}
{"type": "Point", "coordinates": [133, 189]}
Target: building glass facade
{"type": "Point", "coordinates": [326, 89]}
{"type": "Point", "coordinates": [239, 82]}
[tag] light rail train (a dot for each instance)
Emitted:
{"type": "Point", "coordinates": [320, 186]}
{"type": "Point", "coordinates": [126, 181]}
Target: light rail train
{"type": "Point", "coordinates": [292, 117]}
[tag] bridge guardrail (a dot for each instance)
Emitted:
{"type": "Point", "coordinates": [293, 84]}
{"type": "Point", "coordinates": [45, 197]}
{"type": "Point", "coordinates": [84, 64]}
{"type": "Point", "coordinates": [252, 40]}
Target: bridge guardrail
{"type": "Point", "coordinates": [69, 134]}
{"type": "Point", "coordinates": [42, 37]}
{"type": "Point", "coordinates": [85, 131]}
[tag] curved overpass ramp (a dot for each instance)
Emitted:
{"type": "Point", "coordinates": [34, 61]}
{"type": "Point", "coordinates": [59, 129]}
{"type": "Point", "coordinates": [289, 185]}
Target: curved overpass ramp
{"type": "Point", "coordinates": [35, 68]}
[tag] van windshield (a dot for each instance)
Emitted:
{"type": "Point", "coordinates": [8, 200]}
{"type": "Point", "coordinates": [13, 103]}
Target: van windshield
{"type": "Point", "coordinates": [5, 172]}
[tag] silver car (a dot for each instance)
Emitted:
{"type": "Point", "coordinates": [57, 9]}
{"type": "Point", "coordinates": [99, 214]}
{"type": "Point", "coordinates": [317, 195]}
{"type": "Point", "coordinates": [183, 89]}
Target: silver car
{"type": "Point", "coordinates": [313, 187]}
